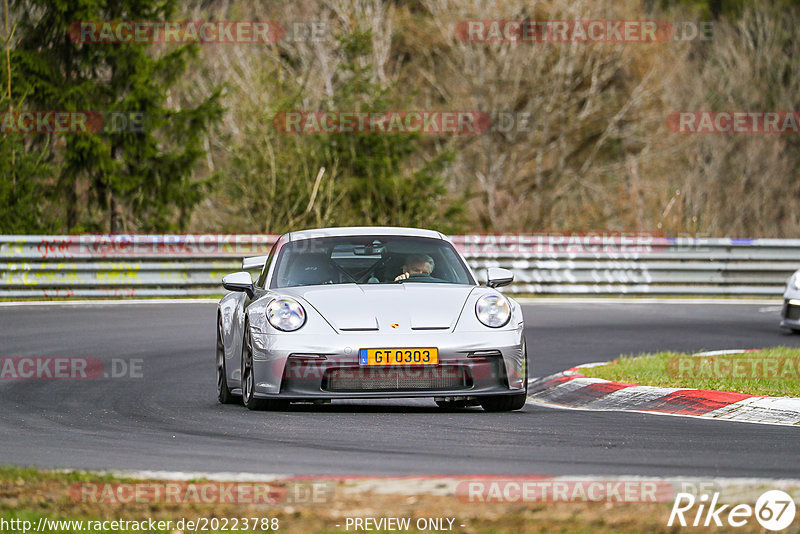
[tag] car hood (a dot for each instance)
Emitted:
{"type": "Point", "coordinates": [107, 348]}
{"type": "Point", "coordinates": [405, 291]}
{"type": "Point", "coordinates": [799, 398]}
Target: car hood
{"type": "Point", "coordinates": [389, 307]}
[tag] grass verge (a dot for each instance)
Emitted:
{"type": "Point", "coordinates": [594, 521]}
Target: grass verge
{"type": "Point", "coordinates": [772, 371]}
{"type": "Point", "coordinates": [30, 494]}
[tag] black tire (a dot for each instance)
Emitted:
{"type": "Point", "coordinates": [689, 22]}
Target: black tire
{"type": "Point", "coordinates": [508, 403]}
{"type": "Point", "coordinates": [248, 381]}
{"type": "Point", "coordinates": [504, 403]}
{"type": "Point", "coordinates": [224, 395]}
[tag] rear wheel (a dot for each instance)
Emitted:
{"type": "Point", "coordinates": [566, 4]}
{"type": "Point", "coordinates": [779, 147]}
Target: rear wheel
{"type": "Point", "coordinates": [224, 394]}
{"type": "Point", "coordinates": [249, 381]}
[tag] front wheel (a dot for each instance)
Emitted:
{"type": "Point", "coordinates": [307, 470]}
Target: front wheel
{"type": "Point", "coordinates": [508, 403]}
{"type": "Point", "coordinates": [249, 381]}
{"type": "Point", "coordinates": [504, 403]}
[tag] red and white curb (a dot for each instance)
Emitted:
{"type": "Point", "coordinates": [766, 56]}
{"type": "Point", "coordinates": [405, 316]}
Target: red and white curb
{"type": "Point", "coordinates": [571, 389]}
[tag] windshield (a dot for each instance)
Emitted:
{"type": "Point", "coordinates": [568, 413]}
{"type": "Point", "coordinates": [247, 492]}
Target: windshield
{"type": "Point", "coordinates": [369, 260]}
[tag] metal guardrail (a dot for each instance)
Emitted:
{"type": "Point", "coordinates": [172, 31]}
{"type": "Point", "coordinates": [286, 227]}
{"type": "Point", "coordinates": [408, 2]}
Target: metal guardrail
{"type": "Point", "coordinates": [193, 265]}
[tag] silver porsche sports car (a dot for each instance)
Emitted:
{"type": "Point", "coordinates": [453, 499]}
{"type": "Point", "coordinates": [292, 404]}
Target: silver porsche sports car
{"type": "Point", "coordinates": [790, 313]}
{"type": "Point", "coordinates": [357, 313]}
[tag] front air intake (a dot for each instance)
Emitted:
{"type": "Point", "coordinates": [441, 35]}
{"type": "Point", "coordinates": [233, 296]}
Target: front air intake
{"type": "Point", "coordinates": [356, 379]}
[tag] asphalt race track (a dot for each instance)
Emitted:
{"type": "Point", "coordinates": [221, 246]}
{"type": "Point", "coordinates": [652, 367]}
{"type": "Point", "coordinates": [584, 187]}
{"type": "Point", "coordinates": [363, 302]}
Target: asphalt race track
{"type": "Point", "coordinates": [168, 419]}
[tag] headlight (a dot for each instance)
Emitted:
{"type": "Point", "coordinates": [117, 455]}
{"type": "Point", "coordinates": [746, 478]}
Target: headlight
{"type": "Point", "coordinates": [286, 314]}
{"type": "Point", "coordinates": [493, 310]}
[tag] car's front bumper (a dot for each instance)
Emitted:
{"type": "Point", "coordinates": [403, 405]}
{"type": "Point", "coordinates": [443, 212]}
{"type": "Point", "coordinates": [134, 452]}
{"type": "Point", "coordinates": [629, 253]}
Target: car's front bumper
{"type": "Point", "coordinates": [470, 364]}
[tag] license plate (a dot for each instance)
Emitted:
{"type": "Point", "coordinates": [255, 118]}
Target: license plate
{"type": "Point", "coordinates": [410, 356]}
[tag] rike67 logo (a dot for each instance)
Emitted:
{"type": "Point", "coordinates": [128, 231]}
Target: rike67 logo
{"type": "Point", "coordinates": [774, 510]}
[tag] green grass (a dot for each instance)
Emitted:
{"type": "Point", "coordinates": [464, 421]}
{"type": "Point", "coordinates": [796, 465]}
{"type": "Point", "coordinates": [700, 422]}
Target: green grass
{"type": "Point", "coordinates": [29, 494]}
{"type": "Point", "coordinates": [10, 473]}
{"type": "Point", "coordinates": [773, 371]}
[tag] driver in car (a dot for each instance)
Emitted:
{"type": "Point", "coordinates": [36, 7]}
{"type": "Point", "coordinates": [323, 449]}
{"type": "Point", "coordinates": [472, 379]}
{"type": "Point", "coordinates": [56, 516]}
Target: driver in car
{"type": "Point", "coordinates": [419, 267]}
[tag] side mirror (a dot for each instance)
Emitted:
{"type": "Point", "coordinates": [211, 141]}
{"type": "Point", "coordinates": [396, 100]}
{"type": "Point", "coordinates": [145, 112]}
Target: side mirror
{"type": "Point", "coordinates": [497, 277]}
{"type": "Point", "coordinates": [240, 281]}
{"type": "Point", "coordinates": [253, 262]}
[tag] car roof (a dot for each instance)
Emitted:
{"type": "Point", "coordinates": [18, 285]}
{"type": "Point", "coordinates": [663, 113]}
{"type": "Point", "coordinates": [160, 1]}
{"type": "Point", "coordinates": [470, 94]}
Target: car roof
{"type": "Point", "coordinates": [363, 230]}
